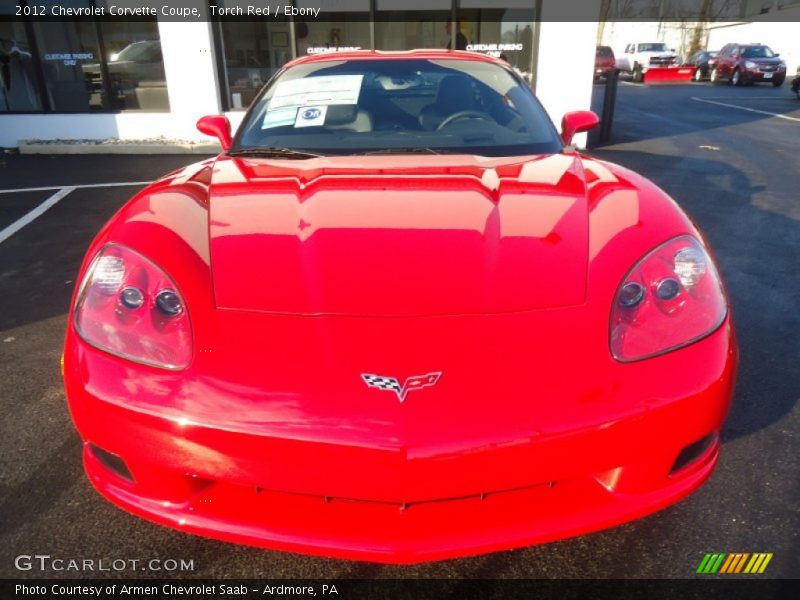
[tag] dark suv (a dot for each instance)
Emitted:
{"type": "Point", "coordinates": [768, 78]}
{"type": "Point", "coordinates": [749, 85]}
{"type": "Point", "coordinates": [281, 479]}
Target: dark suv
{"type": "Point", "coordinates": [747, 64]}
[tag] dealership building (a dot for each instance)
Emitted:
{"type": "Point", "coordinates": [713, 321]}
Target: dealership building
{"type": "Point", "coordinates": [114, 77]}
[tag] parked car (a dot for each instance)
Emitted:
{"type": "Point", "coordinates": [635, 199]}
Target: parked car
{"type": "Point", "coordinates": [745, 64]}
{"type": "Point", "coordinates": [399, 318]}
{"type": "Point", "coordinates": [639, 57]}
{"type": "Point", "coordinates": [604, 62]}
{"type": "Point", "coordinates": [703, 61]}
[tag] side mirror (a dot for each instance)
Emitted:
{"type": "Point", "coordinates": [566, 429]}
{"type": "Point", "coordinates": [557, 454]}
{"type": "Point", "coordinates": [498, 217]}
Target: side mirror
{"type": "Point", "coordinates": [777, 54]}
{"type": "Point", "coordinates": [576, 122]}
{"type": "Point", "coordinates": [217, 126]}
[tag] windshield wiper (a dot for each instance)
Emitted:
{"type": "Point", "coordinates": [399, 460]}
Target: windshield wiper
{"type": "Point", "coordinates": [273, 152]}
{"type": "Point", "coordinates": [403, 151]}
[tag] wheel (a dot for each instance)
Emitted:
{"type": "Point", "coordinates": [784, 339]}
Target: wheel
{"type": "Point", "coordinates": [714, 75]}
{"type": "Point", "coordinates": [698, 74]}
{"type": "Point", "coordinates": [638, 76]}
{"type": "Point", "coordinates": [777, 82]}
{"type": "Point", "coordinates": [736, 78]}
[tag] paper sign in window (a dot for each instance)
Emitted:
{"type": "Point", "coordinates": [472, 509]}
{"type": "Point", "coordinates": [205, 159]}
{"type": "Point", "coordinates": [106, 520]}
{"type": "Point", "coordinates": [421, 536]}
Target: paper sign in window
{"type": "Point", "coordinates": [283, 117]}
{"type": "Point", "coordinates": [316, 91]}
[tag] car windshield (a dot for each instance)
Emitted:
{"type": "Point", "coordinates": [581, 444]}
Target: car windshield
{"type": "Point", "coordinates": [360, 106]}
{"type": "Point", "coordinates": [604, 51]}
{"type": "Point", "coordinates": [659, 47]}
{"type": "Point", "coordinates": [757, 52]}
{"type": "Point", "coordinates": [712, 53]}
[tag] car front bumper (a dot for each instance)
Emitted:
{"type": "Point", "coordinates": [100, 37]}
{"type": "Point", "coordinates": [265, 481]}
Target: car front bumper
{"type": "Point", "coordinates": [756, 75]}
{"type": "Point", "coordinates": [407, 503]}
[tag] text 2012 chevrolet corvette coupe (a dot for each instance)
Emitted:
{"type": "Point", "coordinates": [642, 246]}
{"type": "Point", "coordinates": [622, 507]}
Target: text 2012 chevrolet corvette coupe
{"type": "Point", "coordinates": [398, 319]}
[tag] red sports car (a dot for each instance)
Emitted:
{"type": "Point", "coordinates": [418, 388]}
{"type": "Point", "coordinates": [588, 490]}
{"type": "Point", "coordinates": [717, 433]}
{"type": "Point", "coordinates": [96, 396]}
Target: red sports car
{"type": "Point", "coordinates": [399, 319]}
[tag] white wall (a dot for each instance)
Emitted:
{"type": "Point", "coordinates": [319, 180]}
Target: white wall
{"type": "Point", "coordinates": [565, 67]}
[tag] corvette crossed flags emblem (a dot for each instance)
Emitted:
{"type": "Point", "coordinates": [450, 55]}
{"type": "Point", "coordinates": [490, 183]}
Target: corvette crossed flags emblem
{"type": "Point", "coordinates": [391, 384]}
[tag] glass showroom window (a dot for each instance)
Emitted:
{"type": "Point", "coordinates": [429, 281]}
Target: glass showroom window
{"type": "Point", "coordinates": [503, 30]}
{"type": "Point", "coordinates": [69, 55]}
{"type": "Point", "coordinates": [253, 51]}
{"type": "Point", "coordinates": [135, 66]}
{"type": "Point", "coordinates": [346, 29]}
{"type": "Point", "coordinates": [409, 24]}
{"type": "Point", "coordinates": [81, 66]}
{"type": "Point", "coordinates": [19, 85]}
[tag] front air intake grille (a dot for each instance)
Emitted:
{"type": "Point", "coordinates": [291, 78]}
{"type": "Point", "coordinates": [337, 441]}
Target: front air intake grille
{"type": "Point", "coordinates": [692, 452]}
{"type": "Point", "coordinates": [112, 462]}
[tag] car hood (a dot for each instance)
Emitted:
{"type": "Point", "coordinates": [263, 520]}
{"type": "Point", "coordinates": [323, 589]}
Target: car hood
{"type": "Point", "coordinates": [398, 235]}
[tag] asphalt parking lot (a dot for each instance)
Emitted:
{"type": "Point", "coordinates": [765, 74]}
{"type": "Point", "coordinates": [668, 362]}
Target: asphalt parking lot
{"type": "Point", "coordinates": [722, 152]}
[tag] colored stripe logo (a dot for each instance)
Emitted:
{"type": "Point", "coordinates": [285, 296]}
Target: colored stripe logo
{"type": "Point", "coordinates": [736, 562]}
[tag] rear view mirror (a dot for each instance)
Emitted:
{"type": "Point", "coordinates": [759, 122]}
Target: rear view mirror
{"type": "Point", "coordinates": [217, 126]}
{"type": "Point", "coordinates": [576, 122]}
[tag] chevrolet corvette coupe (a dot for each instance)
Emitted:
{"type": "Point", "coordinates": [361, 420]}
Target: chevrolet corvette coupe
{"type": "Point", "coordinates": [399, 318]}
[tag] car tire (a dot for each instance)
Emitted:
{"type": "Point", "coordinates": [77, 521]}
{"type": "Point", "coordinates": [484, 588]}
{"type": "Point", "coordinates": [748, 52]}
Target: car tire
{"type": "Point", "coordinates": [714, 75]}
{"type": "Point", "coordinates": [638, 76]}
{"type": "Point", "coordinates": [777, 82]}
{"type": "Point", "coordinates": [736, 78]}
{"type": "Point", "coordinates": [698, 74]}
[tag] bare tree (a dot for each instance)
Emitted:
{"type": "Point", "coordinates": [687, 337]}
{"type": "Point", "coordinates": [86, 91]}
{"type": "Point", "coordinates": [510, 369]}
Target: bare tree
{"type": "Point", "coordinates": [700, 28]}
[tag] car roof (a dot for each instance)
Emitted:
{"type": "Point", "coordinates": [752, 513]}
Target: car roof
{"type": "Point", "coordinates": [397, 55]}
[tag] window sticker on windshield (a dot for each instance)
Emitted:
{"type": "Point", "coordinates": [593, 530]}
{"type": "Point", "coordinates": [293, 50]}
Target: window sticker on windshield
{"type": "Point", "coordinates": [316, 91]}
{"type": "Point", "coordinates": [313, 116]}
{"type": "Point", "coordinates": [283, 117]}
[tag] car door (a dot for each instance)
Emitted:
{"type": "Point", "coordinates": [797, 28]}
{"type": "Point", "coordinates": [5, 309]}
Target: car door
{"type": "Point", "coordinates": [730, 60]}
{"type": "Point", "coordinates": [722, 59]}
{"type": "Point", "coordinates": [624, 61]}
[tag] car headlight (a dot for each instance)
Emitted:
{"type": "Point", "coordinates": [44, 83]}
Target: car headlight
{"type": "Point", "coordinates": [129, 307]}
{"type": "Point", "coordinates": [782, 65]}
{"type": "Point", "coordinates": [671, 298]}
{"type": "Point", "coordinates": [749, 64]}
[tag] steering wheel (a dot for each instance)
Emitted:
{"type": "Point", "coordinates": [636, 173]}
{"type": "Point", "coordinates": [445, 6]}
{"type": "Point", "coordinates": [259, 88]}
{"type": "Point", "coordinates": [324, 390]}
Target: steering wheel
{"type": "Point", "coordinates": [464, 114]}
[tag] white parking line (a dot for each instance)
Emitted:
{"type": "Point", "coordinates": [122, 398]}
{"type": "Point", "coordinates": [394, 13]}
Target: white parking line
{"type": "Point", "coordinates": [36, 212]}
{"type": "Point", "coordinates": [753, 110]}
{"type": "Point", "coordinates": [75, 187]}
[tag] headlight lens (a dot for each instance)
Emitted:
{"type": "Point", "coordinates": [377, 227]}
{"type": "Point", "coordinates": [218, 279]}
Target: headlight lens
{"type": "Point", "coordinates": [749, 64]}
{"type": "Point", "coordinates": [671, 298]}
{"type": "Point", "coordinates": [129, 307]}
